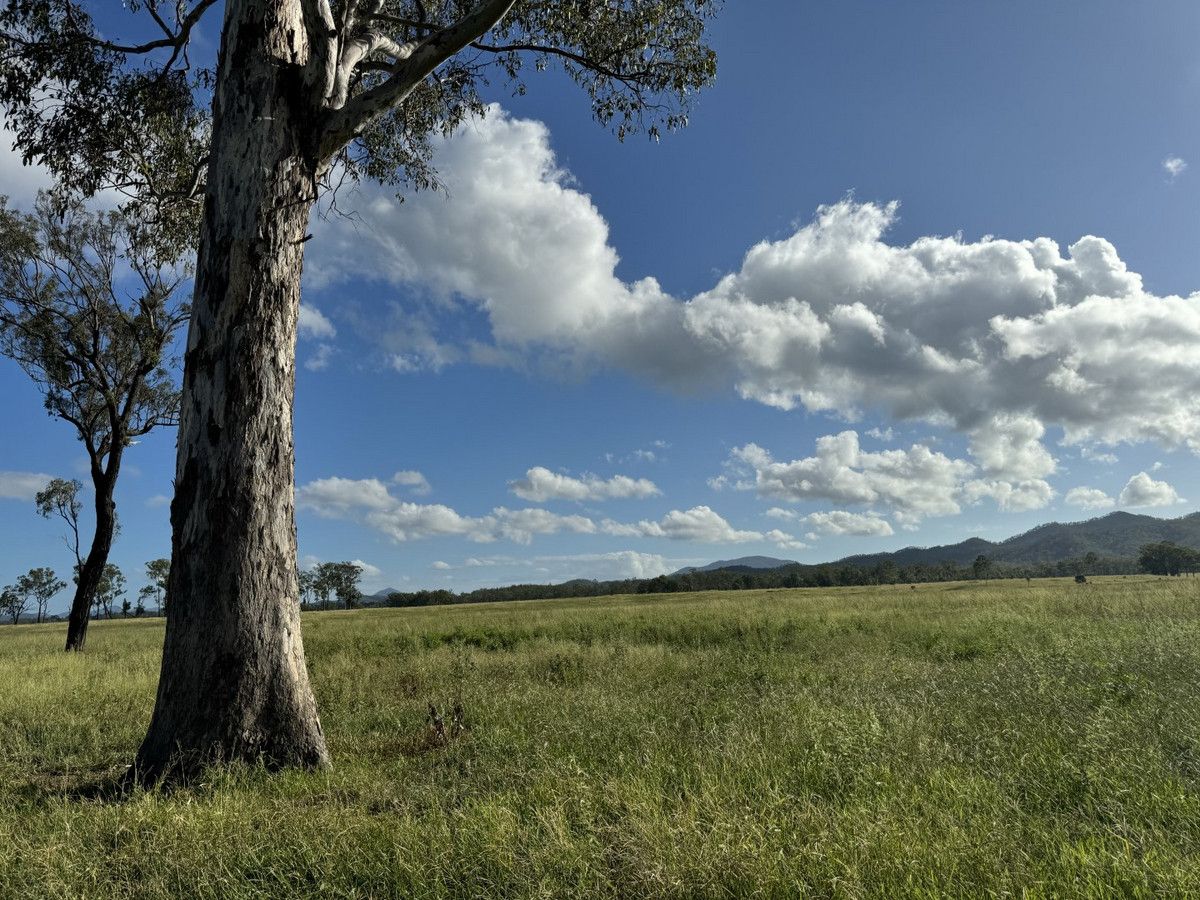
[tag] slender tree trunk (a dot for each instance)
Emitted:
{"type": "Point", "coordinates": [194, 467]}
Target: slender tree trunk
{"type": "Point", "coordinates": [92, 569]}
{"type": "Point", "coordinates": [233, 683]}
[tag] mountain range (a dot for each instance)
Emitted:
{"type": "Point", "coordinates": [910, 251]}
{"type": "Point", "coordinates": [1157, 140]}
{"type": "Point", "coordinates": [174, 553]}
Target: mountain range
{"type": "Point", "coordinates": [1118, 534]}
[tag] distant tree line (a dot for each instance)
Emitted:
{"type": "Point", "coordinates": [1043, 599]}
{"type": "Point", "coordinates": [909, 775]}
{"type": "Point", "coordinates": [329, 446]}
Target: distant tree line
{"type": "Point", "coordinates": [793, 576]}
{"type": "Point", "coordinates": [336, 584]}
{"type": "Point", "coordinates": [1166, 558]}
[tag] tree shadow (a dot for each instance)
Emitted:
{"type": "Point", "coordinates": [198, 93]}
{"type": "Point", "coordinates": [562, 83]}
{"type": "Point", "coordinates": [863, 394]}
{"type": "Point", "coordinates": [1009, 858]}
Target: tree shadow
{"type": "Point", "coordinates": [89, 784]}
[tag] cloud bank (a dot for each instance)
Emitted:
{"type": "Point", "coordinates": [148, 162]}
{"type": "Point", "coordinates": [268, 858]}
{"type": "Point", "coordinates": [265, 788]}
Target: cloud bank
{"type": "Point", "coordinates": [371, 502]}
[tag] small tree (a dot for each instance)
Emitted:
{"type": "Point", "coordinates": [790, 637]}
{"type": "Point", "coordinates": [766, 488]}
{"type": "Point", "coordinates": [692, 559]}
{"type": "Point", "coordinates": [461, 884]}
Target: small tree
{"type": "Point", "coordinates": [148, 592]}
{"type": "Point", "coordinates": [99, 354]}
{"type": "Point", "coordinates": [12, 604]}
{"type": "Point", "coordinates": [982, 567]}
{"type": "Point", "coordinates": [158, 571]}
{"type": "Point", "coordinates": [339, 579]}
{"type": "Point", "coordinates": [346, 584]}
{"type": "Point", "coordinates": [61, 498]}
{"type": "Point", "coordinates": [110, 589]}
{"type": "Point", "coordinates": [40, 585]}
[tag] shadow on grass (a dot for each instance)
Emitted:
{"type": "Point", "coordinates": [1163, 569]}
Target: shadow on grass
{"type": "Point", "coordinates": [95, 784]}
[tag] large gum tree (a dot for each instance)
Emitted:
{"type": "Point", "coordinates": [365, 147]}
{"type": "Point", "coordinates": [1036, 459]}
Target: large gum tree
{"type": "Point", "coordinates": [302, 94]}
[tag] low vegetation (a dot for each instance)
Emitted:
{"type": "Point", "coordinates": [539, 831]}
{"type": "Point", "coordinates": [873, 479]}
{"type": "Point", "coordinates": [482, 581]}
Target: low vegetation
{"type": "Point", "coordinates": [975, 739]}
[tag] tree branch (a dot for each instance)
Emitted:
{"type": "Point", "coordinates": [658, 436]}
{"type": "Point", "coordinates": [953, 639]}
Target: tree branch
{"type": "Point", "coordinates": [350, 120]}
{"type": "Point", "coordinates": [176, 40]}
{"type": "Point", "coordinates": [322, 46]}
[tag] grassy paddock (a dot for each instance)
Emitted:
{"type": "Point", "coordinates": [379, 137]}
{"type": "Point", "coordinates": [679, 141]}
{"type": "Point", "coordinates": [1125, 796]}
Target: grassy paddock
{"type": "Point", "coordinates": [965, 739]}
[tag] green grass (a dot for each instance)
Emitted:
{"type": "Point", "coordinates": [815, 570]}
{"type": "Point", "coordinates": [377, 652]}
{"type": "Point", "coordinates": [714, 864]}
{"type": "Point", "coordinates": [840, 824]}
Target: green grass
{"type": "Point", "coordinates": [961, 739]}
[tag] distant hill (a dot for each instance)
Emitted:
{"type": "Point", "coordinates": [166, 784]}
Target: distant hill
{"type": "Point", "coordinates": [1118, 534]}
{"type": "Point", "coordinates": [742, 562]}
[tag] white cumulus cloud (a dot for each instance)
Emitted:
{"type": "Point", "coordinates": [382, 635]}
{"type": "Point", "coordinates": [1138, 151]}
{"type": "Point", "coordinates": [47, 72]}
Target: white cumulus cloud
{"type": "Point", "coordinates": [368, 571]}
{"type": "Point", "coordinates": [840, 521]}
{"type": "Point", "coordinates": [1000, 339]}
{"type": "Point", "coordinates": [313, 323]}
{"type": "Point", "coordinates": [1142, 490]}
{"type": "Point", "coordinates": [1089, 498]}
{"type": "Point", "coordinates": [700, 524]}
{"type": "Point", "coordinates": [540, 485]}
{"type": "Point", "coordinates": [414, 481]}
{"type": "Point", "coordinates": [1174, 166]}
{"type": "Point", "coordinates": [913, 484]}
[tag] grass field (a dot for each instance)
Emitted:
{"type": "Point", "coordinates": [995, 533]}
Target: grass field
{"type": "Point", "coordinates": [963, 739]}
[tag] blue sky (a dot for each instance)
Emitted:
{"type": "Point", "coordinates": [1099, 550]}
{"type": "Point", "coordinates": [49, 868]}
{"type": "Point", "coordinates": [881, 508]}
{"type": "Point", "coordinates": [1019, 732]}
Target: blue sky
{"type": "Point", "coordinates": [593, 359]}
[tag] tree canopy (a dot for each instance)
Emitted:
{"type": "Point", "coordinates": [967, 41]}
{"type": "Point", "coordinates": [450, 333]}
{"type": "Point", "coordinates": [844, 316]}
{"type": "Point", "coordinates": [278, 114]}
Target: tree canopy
{"type": "Point", "coordinates": [133, 115]}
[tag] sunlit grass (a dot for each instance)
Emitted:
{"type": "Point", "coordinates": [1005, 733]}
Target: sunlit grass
{"type": "Point", "coordinates": [963, 739]}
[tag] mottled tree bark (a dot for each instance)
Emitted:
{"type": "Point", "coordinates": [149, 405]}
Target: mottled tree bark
{"type": "Point", "coordinates": [234, 684]}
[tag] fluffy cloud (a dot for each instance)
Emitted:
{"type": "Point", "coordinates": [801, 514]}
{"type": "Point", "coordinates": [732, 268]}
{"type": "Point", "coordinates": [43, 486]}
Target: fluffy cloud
{"type": "Point", "coordinates": [837, 521]}
{"type": "Point", "coordinates": [368, 500]}
{"type": "Point", "coordinates": [1011, 496]}
{"type": "Point", "coordinates": [1174, 166]}
{"type": "Point", "coordinates": [22, 485]}
{"type": "Point", "coordinates": [1010, 447]}
{"type": "Point", "coordinates": [320, 360]}
{"type": "Point", "coordinates": [840, 521]}
{"type": "Point", "coordinates": [699, 524]}
{"type": "Point", "coordinates": [1099, 456]}
{"type": "Point", "coordinates": [414, 481]}
{"type": "Point", "coordinates": [368, 571]}
{"type": "Point", "coordinates": [313, 323]}
{"type": "Point", "coordinates": [785, 540]}
{"type": "Point", "coordinates": [1142, 490]}
{"type": "Point", "coordinates": [599, 566]}
{"type": "Point", "coordinates": [603, 566]}
{"type": "Point", "coordinates": [1089, 498]}
{"type": "Point", "coordinates": [914, 484]}
{"type": "Point", "coordinates": [917, 482]}
{"type": "Point", "coordinates": [1000, 339]}
{"type": "Point", "coordinates": [540, 485]}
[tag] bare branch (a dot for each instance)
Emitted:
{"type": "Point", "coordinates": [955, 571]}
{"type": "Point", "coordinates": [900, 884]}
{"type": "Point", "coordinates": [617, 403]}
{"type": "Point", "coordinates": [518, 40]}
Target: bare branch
{"type": "Point", "coordinates": [176, 40]}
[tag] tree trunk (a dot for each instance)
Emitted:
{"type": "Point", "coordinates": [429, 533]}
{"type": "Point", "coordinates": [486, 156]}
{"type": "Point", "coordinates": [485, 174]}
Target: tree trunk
{"type": "Point", "coordinates": [92, 570]}
{"type": "Point", "coordinates": [234, 684]}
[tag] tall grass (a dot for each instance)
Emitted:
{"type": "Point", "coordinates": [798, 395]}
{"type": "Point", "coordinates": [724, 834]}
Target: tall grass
{"type": "Point", "coordinates": [959, 739]}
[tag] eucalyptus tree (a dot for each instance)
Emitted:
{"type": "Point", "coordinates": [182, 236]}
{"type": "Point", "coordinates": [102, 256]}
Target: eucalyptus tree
{"type": "Point", "coordinates": [40, 584]}
{"type": "Point", "coordinates": [61, 498]}
{"type": "Point", "coordinates": [159, 573]}
{"type": "Point", "coordinates": [302, 93]}
{"type": "Point", "coordinates": [110, 589]}
{"type": "Point", "coordinates": [90, 311]}
{"type": "Point", "coordinates": [13, 604]}
{"type": "Point", "coordinates": [341, 580]}
{"type": "Point", "coordinates": [146, 593]}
